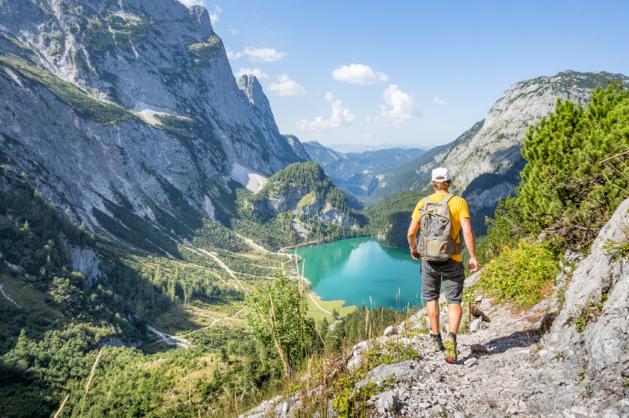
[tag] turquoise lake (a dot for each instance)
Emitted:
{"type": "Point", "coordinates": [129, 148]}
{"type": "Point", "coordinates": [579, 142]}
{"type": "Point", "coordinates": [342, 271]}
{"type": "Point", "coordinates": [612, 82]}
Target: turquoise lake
{"type": "Point", "coordinates": [360, 271]}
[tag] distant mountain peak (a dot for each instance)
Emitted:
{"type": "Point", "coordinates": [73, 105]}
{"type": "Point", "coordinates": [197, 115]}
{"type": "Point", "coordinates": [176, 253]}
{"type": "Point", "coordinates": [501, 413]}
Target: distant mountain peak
{"type": "Point", "coordinates": [251, 87]}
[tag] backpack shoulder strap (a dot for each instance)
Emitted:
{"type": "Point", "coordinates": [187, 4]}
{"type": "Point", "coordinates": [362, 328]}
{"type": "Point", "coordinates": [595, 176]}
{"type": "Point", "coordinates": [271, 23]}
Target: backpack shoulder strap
{"type": "Point", "coordinates": [446, 199]}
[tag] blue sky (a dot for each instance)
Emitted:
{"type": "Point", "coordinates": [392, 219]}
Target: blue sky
{"type": "Point", "coordinates": [424, 71]}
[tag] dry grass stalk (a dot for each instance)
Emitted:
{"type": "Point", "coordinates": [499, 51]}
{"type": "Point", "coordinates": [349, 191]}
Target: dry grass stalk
{"type": "Point", "coordinates": [90, 378]}
{"type": "Point", "coordinates": [92, 372]}
{"type": "Point", "coordinates": [63, 404]}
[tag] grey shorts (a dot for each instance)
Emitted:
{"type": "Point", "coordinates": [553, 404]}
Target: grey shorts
{"type": "Point", "coordinates": [449, 273]}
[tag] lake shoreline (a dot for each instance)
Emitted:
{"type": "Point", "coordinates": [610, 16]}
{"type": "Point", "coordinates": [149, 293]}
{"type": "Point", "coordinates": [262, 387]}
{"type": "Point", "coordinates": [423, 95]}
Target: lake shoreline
{"type": "Point", "coordinates": [320, 242]}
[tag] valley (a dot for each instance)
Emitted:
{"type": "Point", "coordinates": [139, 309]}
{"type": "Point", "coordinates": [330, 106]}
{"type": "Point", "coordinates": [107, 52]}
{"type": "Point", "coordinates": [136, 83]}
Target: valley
{"type": "Point", "coordinates": [166, 251]}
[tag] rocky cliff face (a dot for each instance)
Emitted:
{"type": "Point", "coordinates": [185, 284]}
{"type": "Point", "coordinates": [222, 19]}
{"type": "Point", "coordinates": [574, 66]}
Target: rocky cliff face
{"type": "Point", "coordinates": [585, 355]}
{"type": "Point", "coordinates": [128, 115]}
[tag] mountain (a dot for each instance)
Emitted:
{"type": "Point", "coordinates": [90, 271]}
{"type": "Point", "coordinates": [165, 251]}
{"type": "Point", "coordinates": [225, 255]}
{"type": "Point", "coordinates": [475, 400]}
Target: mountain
{"type": "Point", "coordinates": [415, 174]}
{"type": "Point", "coordinates": [485, 161]}
{"type": "Point", "coordinates": [297, 203]}
{"type": "Point", "coordinates": [358, 172]}
{"type": "Point", "coordinates": [140, 195]}
{"type": "Point", "coordinates": [297, 146]}
{"type": "Point", "coordinates": [126, 116]}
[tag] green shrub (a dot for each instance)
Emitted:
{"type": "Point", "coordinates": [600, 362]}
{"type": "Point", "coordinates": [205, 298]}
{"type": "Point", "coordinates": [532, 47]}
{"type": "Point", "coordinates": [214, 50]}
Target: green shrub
{"type": "Point", "coordinates": [520, 275]}
{"type": "Point", "coordinates": [277, 314]}
{"type": "Point", "coordinates": [577, 173]}
{"type": "Point", "coordinates": [617, 249]}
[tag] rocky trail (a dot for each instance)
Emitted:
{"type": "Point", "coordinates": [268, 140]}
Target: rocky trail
{"type": "Point", "coordinates": [484, 382]}
{"type": "Point", "coordinates": [568, 356]}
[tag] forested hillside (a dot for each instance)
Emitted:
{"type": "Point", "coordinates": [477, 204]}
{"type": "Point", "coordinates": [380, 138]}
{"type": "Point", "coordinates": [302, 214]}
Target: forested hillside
{"type": "Point", "coordinates": [297, 204]}
{"type": "Point", "coordinates": [576, 174]}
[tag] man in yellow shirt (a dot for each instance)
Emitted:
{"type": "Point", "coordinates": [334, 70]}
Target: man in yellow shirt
{"type": "Point", "coordinates": [448, 273]}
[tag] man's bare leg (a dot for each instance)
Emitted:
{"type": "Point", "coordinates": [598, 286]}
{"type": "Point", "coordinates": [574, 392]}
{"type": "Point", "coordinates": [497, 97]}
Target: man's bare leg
{"type": "Point", "coordinates": [454, 317]}
{"type": "Point", "coordinates": [432, 309]}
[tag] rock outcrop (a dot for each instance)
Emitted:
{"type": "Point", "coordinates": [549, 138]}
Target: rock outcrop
{"type": "Point", "coordinates": [585, 356]}
{"type": "Point", "coordinates": [303, 191]}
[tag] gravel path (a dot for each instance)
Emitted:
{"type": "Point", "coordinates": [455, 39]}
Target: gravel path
{"type": "Point", "coordinates": [484, 382]}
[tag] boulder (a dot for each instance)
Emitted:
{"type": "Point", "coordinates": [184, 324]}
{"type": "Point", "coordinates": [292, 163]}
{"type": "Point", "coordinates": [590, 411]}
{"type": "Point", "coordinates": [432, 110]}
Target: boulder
{"type": "Point", "coordinates": [476, 324]}
{"type": "Point", "coordinates": [404, 371]}
{"type": "Point", "coordinates": [385, 402]}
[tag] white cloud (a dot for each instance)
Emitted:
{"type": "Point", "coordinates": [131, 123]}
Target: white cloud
{"type": "Point", "coordinates": [399, 106]}
{"type": "Point", "coordinates": [256, 54]}
{"type": "Point", "coordinates": [214, 14]}
{"type": "Point", "coordinates": [284, 86]}
{"type": "Point", "coordinates": [233, 55]}
{"type": "Point", "coordinates": [263, 54]}
{"type": "Point", "coordinates": [328, 96]}
{"type": "Point", "coordinates": [438, 101]}
{"type": "Point", "coordinates": [260, 75]}
{"type": "Point", "coordinates": [358, 74]}
{"type": "Point", "coordinates": [233, 31]}
{"type": "Point", "coordinates": [339, 114]}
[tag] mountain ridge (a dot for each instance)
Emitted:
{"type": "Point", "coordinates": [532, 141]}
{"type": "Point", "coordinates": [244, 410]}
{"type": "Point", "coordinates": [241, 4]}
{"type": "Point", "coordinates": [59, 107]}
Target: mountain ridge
{"type": "Point", "coordinates": [358, 172]}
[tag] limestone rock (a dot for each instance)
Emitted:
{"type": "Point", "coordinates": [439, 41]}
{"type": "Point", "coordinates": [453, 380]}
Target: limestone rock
{"type": "Point", "coordinates": [470, 361]}
{"type": "Point", "coordinates": [476, 324]}
{"type": "Point", "coordinates": [385, 402]}
{"type": "Point", "coordinates": [171, 122]}
{"type": "Point", "coordinates": [356, 357]}
{"type": "Point", "coordinates": [391, 330]}
{"type": "Point", "coordinates": [404, 371]}
{"type": "Point", "coordinates": [86, 261]}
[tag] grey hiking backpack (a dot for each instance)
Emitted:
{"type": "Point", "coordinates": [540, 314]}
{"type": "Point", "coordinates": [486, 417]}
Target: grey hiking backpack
{"type": "Point", "coordinates": [435, 242]}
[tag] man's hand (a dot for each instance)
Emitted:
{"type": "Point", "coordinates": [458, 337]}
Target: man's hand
{"type": "Point", "coordinates": [473, 264]}
{"type": "Point", "coordinates": [415, 254]}
{"type": "Point", "coordinates": [470, 242]}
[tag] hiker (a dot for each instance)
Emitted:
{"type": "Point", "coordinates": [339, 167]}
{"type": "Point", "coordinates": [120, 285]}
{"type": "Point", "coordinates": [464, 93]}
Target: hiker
{"type": "Point", "coordinates": [440, 218]}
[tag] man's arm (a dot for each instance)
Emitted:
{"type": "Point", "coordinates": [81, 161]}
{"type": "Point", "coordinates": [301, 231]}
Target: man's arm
{"type": "Point", "coordinates": [470, 242]}
{"type": "Point", "coordinates": [411, 236]}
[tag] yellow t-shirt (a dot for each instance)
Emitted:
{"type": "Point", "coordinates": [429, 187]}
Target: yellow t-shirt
{"type": "Point", "coordinates": [458, 209]}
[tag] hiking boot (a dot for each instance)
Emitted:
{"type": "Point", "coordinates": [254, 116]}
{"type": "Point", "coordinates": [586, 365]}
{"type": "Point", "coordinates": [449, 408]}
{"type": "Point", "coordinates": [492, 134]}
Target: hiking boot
{"type": "Point", "coordinates": [449, 343]}
{"type": "Point", "coordinates": [437, 342]}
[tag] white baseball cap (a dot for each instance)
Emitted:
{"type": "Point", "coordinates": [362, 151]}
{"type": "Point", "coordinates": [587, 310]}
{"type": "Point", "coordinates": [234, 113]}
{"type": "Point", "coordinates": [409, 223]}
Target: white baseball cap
{"type": "Point", "coordinates": [440, 174]}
